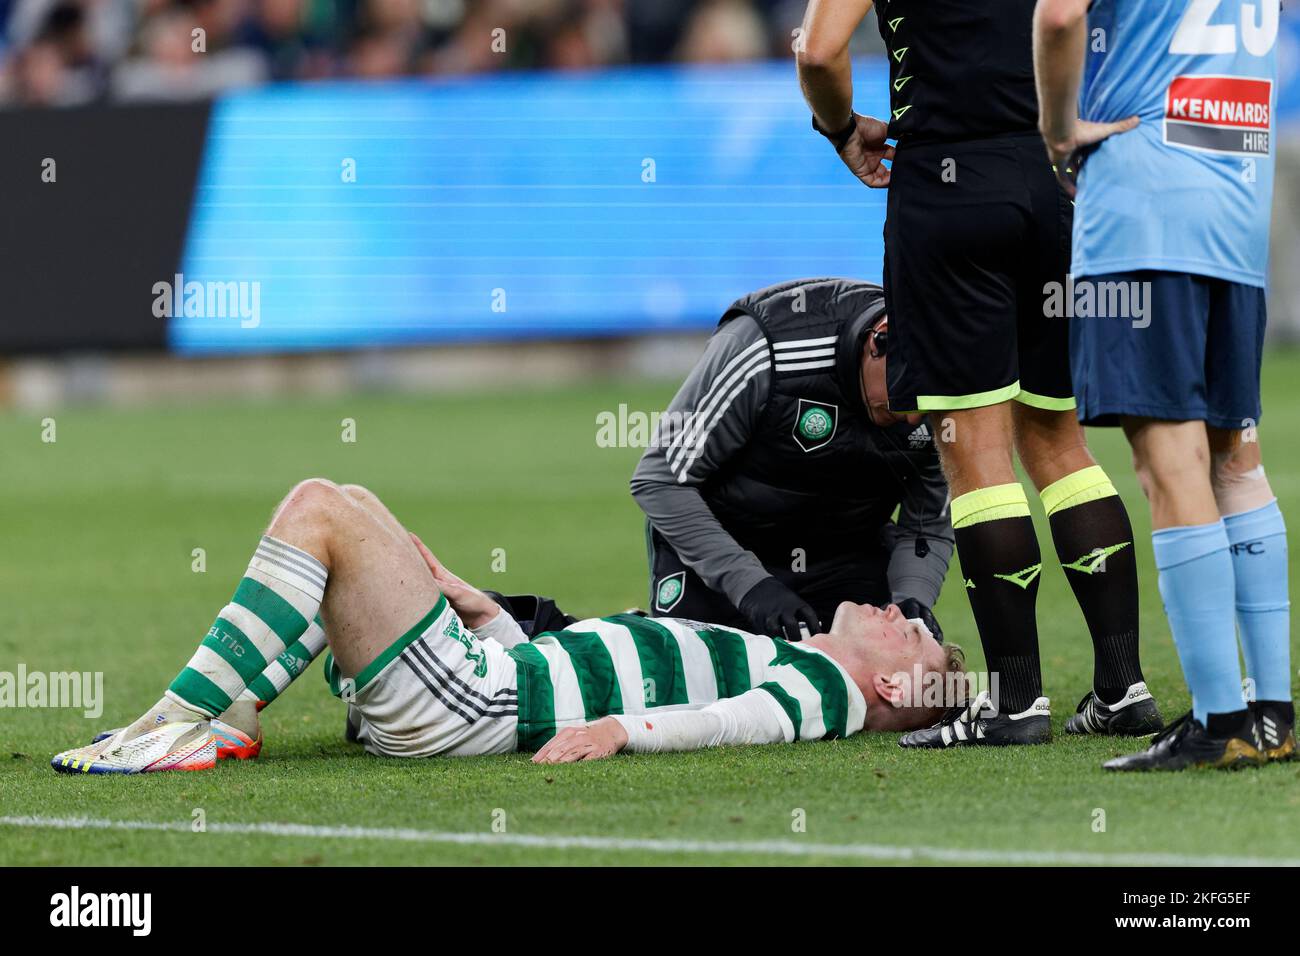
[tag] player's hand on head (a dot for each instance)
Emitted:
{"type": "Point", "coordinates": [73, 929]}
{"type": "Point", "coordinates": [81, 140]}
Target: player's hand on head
{"type": "Point", "coordinates": [867, 150]}
{"type": "Point", "coordinates": [594, 741]}
{"type": "Point", "coordinates": [773, 609]}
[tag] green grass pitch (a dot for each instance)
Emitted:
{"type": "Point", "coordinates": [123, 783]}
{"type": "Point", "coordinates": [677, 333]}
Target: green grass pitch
{"type": "Point", "coordinates": [98, 530]}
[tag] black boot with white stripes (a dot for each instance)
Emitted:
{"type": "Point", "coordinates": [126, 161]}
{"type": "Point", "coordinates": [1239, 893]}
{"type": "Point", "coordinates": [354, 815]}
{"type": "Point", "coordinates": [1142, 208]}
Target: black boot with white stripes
{"type": "Point", "coordinates": [1276, 719]}
{"type": "Point", "coordinates": [1133, 715]}
{"type": "Point", "coordinates": [979, 724]}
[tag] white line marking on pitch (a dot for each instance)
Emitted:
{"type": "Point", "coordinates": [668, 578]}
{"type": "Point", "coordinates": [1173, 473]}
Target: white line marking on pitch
{"type": "Point", "coordinates": [860, 851]}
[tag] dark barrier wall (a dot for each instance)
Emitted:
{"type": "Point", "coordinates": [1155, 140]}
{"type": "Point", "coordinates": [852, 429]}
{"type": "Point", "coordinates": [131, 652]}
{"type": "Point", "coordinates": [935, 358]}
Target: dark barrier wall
{"type": "Point", "coordinates": [79, 255]}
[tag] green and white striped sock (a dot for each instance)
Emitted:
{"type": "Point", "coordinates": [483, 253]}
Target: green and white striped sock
{"type": "Point", "coordinates": [287, 668]}
{"type": "Point", "coordinates": [280, 594]}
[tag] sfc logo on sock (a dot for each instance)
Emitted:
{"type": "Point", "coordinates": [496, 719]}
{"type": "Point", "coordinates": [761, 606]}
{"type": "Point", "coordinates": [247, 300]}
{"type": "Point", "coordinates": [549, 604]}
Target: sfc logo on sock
{"type": "Point", "coordinates": [815, 424]}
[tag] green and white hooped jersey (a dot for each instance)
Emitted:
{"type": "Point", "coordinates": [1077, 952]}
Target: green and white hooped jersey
{"type": "Point", "coordinates": [627, 664]}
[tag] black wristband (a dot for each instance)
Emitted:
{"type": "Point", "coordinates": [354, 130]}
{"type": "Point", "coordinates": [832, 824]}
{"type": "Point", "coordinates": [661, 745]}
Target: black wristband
{"type": "Point", "coordinates": [841, 139]}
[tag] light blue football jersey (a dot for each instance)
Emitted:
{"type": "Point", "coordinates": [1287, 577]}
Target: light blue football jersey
{"type": "Point", "coordinates": [1191, 189]}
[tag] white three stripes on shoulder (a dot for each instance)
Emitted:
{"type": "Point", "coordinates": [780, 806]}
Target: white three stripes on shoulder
{"type": "Point", "coordinates": [804, 366]}
{"type": "Point", "coordinates": [741, 368]}
{"type": "Point", "coordinates": [803, 344]}
{"type": "Point", "coordinates": [801, 355]}
{"type": "Point", "coordinates": [805, 354]}
{"type": "Point", "coordinates": [685, 471]}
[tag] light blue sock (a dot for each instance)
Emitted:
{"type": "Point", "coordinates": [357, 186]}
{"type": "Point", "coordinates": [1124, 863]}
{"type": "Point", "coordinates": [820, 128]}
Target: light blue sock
{"type": "Point", "coordinates": [1258, 540]}
{"type": "Point", "coordinates": [1196, 583]}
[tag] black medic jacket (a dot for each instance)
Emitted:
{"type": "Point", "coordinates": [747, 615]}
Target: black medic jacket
{"type": "Point", "coordinates": [768, 447]}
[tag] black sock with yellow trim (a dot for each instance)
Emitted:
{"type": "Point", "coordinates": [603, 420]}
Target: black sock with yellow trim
{"type": "Point", "coordinates": [1001, 564]}
{"type": "Point", "coordinates": [1094, 541]}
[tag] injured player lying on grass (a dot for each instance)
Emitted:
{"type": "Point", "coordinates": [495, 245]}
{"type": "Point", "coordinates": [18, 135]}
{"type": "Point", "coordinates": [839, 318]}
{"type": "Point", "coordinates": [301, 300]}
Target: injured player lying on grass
{"type": "Point", "coordinates": [432, 665]}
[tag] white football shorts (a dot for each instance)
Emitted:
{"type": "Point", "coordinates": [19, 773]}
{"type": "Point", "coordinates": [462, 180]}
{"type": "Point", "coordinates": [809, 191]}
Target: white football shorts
{"type": "Point", "coordinates": [437, 690]}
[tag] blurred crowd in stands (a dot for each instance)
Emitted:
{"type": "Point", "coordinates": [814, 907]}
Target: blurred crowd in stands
{"type": "Point", "coordinates": [70, 52]}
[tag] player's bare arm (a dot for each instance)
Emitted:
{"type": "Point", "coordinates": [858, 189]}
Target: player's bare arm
{"type": "Point", "coordinates": [826, 77]}
{"type": "Point", "coordinates": [1060, 35]}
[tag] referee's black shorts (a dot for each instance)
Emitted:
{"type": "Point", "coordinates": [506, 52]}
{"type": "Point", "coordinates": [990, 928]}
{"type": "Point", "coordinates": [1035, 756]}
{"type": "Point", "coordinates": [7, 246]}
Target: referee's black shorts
{"type": "Point", "coordinates": [975, 231]}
